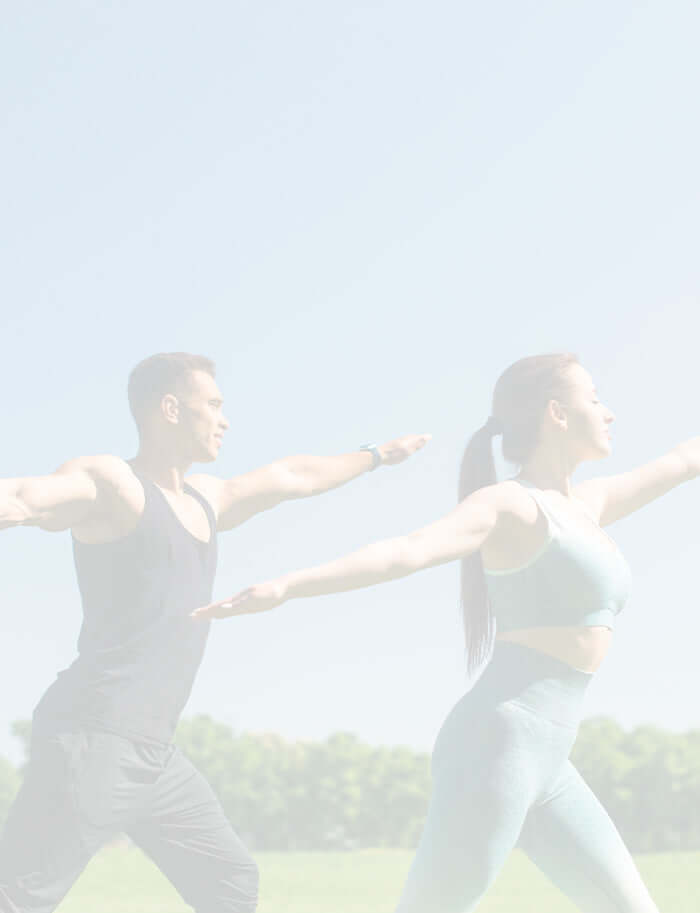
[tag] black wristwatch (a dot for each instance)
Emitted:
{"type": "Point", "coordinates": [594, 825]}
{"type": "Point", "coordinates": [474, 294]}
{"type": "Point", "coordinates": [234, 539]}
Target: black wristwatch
{"type": "Point", "coordinates": [376, 455]}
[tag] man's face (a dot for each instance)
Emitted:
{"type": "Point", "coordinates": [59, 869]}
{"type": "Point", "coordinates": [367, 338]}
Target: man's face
{"type": "Point", "coordinates": [200, 416]}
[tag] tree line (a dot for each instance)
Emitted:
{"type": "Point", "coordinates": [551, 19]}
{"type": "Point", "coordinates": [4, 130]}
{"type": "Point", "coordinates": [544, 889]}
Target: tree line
{"type": "Point", "coordinates": [341, 793]}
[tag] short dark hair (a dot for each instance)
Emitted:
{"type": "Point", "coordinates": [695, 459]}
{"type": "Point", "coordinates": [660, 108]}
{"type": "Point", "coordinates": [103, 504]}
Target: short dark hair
{"type": "Point", "coordinates": [159, 374]}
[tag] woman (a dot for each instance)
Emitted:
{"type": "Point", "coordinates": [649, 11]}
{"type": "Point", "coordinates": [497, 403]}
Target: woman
{"type": "Point", "coordinates": [538, 568]}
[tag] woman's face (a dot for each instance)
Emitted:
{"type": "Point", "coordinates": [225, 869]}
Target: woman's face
{"type": "Point", "coordinates": [588, 419]}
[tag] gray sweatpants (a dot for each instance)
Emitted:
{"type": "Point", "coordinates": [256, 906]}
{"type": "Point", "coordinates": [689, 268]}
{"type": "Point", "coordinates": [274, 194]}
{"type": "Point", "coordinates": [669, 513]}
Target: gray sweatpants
{"type": "Point", "coordinates": [84, 787]}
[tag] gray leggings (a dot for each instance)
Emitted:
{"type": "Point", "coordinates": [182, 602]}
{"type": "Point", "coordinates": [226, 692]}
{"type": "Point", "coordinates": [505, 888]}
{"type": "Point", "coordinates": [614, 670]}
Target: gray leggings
{"type": "Point", "coordinates": [501, 779]}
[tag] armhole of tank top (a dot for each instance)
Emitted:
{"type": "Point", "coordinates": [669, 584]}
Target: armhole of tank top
{"type": "Point", "coordinates": [208, 509]}
{"type": "Point", "coordinates": [551, 519]}
{"type": "Point", "coordinates": [134, 529]}
{"type": "Point", "coordinates": [552, 526]}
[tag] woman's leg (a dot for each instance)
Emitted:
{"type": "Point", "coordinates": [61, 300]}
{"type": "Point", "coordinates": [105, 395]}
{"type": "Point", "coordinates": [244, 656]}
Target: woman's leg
{"type": "Point", "coordinates": [486, 773]}
{"type": "Point", "coordinates": [569, 835]}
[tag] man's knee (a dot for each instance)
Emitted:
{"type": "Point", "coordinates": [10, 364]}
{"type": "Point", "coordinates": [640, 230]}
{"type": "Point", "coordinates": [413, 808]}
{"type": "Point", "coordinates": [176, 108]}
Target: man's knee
{"type": "Point", "coordinates": [249, 880]}
{"type": "Point", "coordinates": [236, 891]}
{"type": "Point", "coordinates": [248, 883]}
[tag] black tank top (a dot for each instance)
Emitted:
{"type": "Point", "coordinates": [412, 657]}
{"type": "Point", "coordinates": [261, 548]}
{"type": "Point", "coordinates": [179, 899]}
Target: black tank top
{"type": "Point", "coordinates": [139, 650]}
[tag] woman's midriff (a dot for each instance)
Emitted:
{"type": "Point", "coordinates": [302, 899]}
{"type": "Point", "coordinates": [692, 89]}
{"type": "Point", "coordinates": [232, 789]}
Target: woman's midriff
{"type": "Point", "coordinates": [584, 648]}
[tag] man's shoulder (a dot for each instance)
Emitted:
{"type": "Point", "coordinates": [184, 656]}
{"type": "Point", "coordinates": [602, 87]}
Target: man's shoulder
{"type": "Point", "coordinates": [120, 496]}
{"type": "Point", "coordinates": [104, 467]}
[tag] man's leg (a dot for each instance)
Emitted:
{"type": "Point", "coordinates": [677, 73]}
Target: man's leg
{"type": "Point", "coordinates": [45, 846]}
{"type": "Point", "coordinates": [186, 833]}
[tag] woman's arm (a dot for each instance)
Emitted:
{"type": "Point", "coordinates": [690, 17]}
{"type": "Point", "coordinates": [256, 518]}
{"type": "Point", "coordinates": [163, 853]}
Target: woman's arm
{"type": "Point", "coordinates": [456, 535]}
{"type": "Point", "coordinates": [614, 497]}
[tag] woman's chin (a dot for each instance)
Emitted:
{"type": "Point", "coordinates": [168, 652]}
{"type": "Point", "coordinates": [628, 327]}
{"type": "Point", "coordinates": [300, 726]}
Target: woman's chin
{"type": "Point", "coordinates": [600, 451]}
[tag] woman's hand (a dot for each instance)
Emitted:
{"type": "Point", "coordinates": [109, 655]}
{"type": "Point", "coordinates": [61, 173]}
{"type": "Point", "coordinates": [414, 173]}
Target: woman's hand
{"type": "Point", "coordinates": [690, 452]}
{"type": "Point", "coordinates": [261, 597]}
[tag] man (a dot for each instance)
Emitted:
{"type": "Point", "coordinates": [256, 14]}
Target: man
{"type": "Point", "coordinates": [144, 540]}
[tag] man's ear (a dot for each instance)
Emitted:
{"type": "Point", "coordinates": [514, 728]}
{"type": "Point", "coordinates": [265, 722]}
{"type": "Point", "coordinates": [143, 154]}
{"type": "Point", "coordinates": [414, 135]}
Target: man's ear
{"type": "Point", "coordinates": [170, 408]}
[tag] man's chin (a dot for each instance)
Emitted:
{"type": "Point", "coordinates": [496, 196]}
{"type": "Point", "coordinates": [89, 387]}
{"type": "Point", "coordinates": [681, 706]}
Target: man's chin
{"type": "Point", "coordinates": [206, 456]}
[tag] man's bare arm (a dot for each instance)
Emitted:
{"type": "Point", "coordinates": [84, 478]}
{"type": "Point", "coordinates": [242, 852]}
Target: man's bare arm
{"type": "Point", "coordinates": [614, 497]}
{"type": "Point", "coordinates": [236, 500]}
{"type": "Point", "coordinates": [67, 497]}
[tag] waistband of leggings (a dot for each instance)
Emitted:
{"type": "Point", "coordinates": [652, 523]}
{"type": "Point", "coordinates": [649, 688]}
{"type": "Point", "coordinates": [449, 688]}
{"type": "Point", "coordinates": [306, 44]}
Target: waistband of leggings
{"type": "Point", "coordinates": [528, 663]}
{"type": "Point", "coordinates": [525, 676]}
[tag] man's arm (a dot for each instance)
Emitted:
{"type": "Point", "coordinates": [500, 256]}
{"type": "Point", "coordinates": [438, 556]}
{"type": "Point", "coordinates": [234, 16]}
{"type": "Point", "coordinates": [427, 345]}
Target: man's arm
{"type": "Point", "coordinates": [614, 497]}
{"type": "Point", "coordinates": [236, 500]}
{"type": "Point", "coordinates": [54, 502]}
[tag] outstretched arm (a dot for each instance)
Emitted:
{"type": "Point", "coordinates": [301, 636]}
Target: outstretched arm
{"type": "Point", "coordinates": [53, 502]}
{"type": "Point", "coordinates": [456, 535]}
{"type": "Point", "coordinates": [614, 497]}
{"type": "Point", "coordinates": [236, 500]}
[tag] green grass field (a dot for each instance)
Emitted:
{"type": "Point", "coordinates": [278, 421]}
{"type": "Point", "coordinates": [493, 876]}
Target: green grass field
{"type": "Point", "coordinates": [121, 880]}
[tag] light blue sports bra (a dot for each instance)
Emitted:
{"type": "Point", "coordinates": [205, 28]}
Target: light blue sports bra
{"type": "Point", "coordinates": [574, 579]}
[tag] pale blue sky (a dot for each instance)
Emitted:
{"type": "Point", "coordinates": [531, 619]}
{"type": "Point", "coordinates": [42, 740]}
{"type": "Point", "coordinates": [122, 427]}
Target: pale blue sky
{"type": "Point", "coordinates": [363, 215]}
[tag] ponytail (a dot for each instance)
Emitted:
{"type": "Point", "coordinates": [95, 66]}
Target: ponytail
{"type": "Point", "coordinates": [478, 470]}
{"type": "Point", "coordinates": [520, 397]}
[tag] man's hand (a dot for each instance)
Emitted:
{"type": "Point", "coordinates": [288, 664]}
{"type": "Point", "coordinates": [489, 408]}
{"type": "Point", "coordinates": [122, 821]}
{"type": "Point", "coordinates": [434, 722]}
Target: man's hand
{"type": "Point", "coordinates": [401, 448]}
{"type": "Point", "coordinates": [258, 598]}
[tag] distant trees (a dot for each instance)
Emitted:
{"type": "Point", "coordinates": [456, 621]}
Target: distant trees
{"type": "Point", "coordinates": [647, 779]}
{"type": "Point", "coordinates": [9, 784]}
{"type": "Point", "coordinates": [341, 793]}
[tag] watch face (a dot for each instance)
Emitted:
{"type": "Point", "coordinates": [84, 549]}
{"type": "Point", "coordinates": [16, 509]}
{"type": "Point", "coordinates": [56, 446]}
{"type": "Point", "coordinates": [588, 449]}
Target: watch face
{"type": "Point", "coordinates": [376, 456]}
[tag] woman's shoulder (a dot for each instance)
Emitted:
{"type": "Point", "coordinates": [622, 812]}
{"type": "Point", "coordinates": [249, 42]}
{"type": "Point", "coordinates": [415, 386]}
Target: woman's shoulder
{"type": "Point", "coordinates": [513, 504]}
{"type": "Point", "coordinates": [520, 523]}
